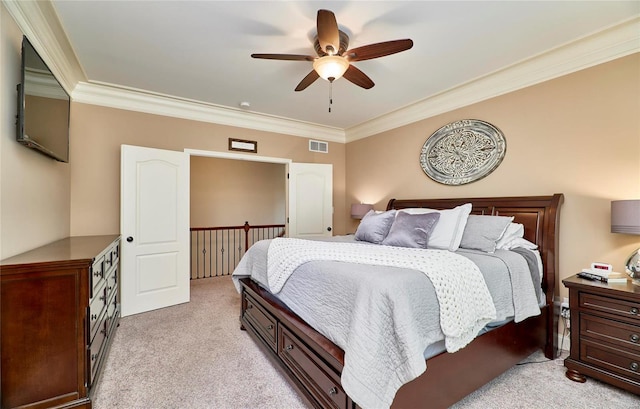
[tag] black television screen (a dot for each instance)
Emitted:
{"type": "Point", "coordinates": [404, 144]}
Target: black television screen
{"type": "Point", "coordinates": [43, 107]}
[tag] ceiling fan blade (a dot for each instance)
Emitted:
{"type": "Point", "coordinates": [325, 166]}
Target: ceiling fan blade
{"type": "Point", "coordinates": [358, 77]}
{"type": "Point", "coordinates": [328, 34]}
{"type": "Point", "coordinates": [308, 80]}
{"type": "Point", "coordinates": [367, 52]}
{"type": "Point", "coordinates": [287, 57]}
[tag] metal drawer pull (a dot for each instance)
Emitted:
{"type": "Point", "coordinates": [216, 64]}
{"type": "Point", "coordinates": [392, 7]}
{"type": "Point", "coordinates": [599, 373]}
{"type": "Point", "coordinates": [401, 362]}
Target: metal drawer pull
{"type": "Point", "coordinates": [288, 347]}
{"type": "Point", "coordinates": [249, 306]}
{"type": "Point", "coordinates": [94, 316]}
{"type": "Point", "coordinates": [270, 327]}
{"type": "Point", "coordinates": [635, 338]}
{"type": "Point", "coordinates": [634, 366]}
{"type": "Point", "coordinates": [333, 391]}
{"type": "Point", "coordinates": [634, 311]}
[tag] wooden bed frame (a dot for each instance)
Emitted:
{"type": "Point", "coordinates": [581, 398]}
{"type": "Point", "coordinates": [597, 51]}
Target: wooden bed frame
{"type": "Point", "coordinates": [313, 364]}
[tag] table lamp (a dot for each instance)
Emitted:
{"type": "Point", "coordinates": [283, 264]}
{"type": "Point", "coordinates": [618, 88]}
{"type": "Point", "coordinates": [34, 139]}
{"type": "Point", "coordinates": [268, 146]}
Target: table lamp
{"type": "Point", "coordinates": [358, 210]}
{"type": "Point", "coordinates": [625, 218]}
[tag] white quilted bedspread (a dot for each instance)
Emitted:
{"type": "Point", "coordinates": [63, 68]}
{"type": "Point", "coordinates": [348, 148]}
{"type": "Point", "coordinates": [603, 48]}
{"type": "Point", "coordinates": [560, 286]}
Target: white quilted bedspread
{"type": "Point", "coordinates": [466, 305]}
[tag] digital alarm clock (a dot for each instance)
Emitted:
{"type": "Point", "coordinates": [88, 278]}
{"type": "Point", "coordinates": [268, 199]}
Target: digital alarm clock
{"type": "Point", "coordinates": [601, 267]}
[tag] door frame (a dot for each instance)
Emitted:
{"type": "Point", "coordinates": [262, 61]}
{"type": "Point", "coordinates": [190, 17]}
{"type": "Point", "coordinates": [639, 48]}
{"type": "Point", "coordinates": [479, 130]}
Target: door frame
{"type": "Point", "coordinates": [236, 156]}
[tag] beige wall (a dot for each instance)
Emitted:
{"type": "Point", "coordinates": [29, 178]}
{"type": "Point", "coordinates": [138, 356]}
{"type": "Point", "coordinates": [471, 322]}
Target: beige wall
{"type": "Point", "coordinates": [34, 189]}
{"type": "Point", "coordinates": [226, 192]}
{"type": "Point", "coordinates": [578, 135]}
{"type": "Point", "coordinates": [97, 133]}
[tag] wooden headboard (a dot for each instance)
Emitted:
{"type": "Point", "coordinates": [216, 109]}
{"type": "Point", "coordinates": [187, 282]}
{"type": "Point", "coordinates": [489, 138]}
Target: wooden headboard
{"type": "Point", "coordinates": [540, 216]}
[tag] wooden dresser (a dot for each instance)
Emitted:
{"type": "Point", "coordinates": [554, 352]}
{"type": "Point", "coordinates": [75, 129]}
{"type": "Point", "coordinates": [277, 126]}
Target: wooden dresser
{"type": "Point", "coordinates": [605, 332]}
{"type": "Point", "coordinates": [59, 310]}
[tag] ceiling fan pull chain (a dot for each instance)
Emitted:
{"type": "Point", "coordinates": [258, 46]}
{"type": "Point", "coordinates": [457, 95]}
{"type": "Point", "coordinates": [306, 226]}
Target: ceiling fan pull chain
{"type": "Point", "coordinates": [330, 95]}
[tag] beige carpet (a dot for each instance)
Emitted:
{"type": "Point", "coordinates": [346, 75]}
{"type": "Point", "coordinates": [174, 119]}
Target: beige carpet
{"type": "Point", "coordinates": [195, 356]}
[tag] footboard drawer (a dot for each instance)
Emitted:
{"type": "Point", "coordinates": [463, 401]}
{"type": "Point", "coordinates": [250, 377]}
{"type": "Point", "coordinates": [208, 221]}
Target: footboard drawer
{"type": "Point", "coordinates": [318, 378]}
{"type": "Point", "coordinates": [261, 320]}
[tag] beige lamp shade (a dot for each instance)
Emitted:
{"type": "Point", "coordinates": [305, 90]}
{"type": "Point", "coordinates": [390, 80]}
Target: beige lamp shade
{"type": "Point", "coordinates": [358, 210]}
{"type": "Point", "coordinates": [625, 216]}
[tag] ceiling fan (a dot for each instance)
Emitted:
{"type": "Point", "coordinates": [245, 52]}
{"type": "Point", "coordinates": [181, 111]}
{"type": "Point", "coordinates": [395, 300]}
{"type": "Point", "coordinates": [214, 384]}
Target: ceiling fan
{"type": "Point", "coordinates": [334, 59]}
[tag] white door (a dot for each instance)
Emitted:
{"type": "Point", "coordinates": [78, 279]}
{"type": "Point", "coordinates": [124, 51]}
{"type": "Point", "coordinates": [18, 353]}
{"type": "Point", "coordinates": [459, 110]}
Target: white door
{"type": "Point", "coordinates": [154, 223]}
{"type": "Point", "coordinates": [310, 200]}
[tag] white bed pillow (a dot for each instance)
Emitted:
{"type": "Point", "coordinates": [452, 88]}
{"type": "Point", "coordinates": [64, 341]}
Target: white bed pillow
{"type": "Point", "coordinates": [519, 242]}
{"type": "Point", "coordinates": [448, 231]}
{"type": "Point", "coordinates": [514, 231]}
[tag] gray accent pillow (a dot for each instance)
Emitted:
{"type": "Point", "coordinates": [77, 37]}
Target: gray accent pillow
{"type": "Point", "coordinates": [375, 226]}
{"type": "Point", "coordinates": [411, 230]}
{"type": "Point", "coordinates": [483, 232]}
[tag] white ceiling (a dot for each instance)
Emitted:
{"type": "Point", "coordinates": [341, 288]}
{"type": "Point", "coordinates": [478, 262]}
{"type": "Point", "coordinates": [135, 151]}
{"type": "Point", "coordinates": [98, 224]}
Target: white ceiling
{"type": "Point", "coordinates": [200, 50]}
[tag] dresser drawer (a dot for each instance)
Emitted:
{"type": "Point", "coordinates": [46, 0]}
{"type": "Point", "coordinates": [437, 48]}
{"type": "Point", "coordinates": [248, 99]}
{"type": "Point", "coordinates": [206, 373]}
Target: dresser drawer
{"type": "Point", "coordinates": [112, 312]}
{"type": "Point", "coordinates": [614, 332]}
{"type": "Point", "coordinates": [108, 260]}
{"type": "Point", "coordinates": [96, 309]}
{"type": "Point", "coordinates": [262, 321]}
{"type": "Point", "coordinates": [115, 253]}
{"type": "Point", "coordinates": [610, 305]}
{"type": "Point", "coordinates": [315, 374]}
{"type": "Point", "coordinates": [97, 275]}
{"type": "Point", "coordinates": [616, 360]}
{"type": "Point", "coordinates": [112, 281]}
{"type": "Point", "coordinates": [94, 350]}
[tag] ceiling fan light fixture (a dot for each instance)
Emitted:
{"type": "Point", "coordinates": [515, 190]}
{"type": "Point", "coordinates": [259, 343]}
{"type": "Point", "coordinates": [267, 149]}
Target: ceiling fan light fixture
{"type": "Point", "coordinates": [331, 66]}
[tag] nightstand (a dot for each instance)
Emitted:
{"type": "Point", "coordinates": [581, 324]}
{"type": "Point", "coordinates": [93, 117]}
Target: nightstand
{"type": "Point", "coordinates": [605, 333]}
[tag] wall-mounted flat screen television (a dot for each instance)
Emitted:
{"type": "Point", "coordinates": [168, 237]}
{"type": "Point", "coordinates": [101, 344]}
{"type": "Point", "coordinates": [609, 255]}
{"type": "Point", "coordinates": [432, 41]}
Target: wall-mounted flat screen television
{"type": "Point", "coordinates": [43, 107]}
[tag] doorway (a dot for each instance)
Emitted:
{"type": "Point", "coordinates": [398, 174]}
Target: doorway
{"type": "Point", "coordinates": [228, 192]}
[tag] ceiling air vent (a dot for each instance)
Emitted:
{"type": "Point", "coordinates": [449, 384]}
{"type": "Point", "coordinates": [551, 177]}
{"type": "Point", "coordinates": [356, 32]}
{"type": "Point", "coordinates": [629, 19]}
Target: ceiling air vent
{"type": "Point", "coordinates": [318, 146]}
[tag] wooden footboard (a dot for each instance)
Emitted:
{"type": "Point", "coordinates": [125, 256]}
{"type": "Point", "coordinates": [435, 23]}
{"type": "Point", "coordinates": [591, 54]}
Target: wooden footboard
{"type": "Point", "coordinates": [313, 364]}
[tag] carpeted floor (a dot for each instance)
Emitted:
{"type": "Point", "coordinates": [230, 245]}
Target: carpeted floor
{"type": "Point", "coordinates": [195, 356]}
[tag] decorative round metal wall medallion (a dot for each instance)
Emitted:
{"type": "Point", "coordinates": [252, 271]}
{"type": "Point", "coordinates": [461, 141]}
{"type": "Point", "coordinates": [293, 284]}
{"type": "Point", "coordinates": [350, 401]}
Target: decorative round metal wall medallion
{"type": "Point", "coordinates": [462, 152]}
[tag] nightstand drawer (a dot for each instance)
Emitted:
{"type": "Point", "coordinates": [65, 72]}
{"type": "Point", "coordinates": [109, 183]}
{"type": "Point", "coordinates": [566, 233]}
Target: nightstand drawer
{"type": "Point", "coordinates": [614, 332]}
{"type": "Point", "coordinates": [613, 359]}
{"type": "Point", "coordinates": [609, 305]}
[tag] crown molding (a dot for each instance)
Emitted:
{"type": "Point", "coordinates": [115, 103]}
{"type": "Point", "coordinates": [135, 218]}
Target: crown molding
{"type": "Point", "coordinates": [159, 104]}
{"type": "Point", "coordinates": [39, 21]}
{"type": "Point", "coordinates": [614, 42]}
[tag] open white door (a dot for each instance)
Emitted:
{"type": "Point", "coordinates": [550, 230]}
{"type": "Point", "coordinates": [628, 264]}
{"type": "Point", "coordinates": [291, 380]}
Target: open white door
{"type": "Point", "coordinates": [154, 223]}
{"type": "Point", "coordinates": [310, 200]}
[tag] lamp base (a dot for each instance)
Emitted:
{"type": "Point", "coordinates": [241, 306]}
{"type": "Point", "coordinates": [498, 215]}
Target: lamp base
{"type": "Point", "coordinates": [633, 267]}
